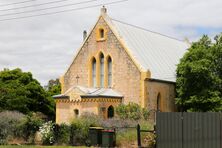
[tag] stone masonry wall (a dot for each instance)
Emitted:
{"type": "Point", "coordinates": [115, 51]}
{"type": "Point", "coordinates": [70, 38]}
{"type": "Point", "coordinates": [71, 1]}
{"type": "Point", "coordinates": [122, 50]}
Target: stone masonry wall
{"type": "Point", "coordinates": [167, 95]}
{"type": "Point", "coordinates": [126, 76]}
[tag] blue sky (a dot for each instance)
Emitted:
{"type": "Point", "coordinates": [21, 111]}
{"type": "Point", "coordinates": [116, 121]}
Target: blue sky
{"type": "Point", "coordinates": [46, 45]}
{"type": "Point", "coordinates": [207, 30]}
{"type": "Point", "coordinates": [199, 31]}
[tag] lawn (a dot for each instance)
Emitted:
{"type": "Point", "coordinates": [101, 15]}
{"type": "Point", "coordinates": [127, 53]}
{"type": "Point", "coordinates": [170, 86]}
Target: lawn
{"type": "Point", "coordinates": [31, 146]}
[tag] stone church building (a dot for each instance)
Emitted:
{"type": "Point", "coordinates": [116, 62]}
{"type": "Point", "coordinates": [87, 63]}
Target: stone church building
{"type": "Point", "coordinates": [119, 63]}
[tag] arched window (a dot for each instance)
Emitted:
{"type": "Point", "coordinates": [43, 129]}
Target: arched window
{"type": "Point", "coordinates": [109, 72]}
{"type": "Point", "coordinates": [94, 72]}
{"type": "Point", "coordinates": [158, 102]}
{"type": "Point", "coordinates": [76, 113]}
{"type": "Point", "coordinates": [101, 33]}
{"type": "Point", "coordinates": [101, 70]}
{"type": "Point", "coordinates": [110, 112]}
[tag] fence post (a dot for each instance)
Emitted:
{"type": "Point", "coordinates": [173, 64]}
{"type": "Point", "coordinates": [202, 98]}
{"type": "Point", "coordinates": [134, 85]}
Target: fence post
{"type": "Point", "coordinates": [138, 136]}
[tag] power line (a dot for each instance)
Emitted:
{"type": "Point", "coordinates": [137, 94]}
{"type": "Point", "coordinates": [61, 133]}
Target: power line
{"type": "Point", "coordinates": [68, 10]}
{"type": "Point", "coordinates": [36, 10]}
{"type": "Point", "coordinates": [22, 2]}
{"type": "Point", "coordinates": [28, 6]}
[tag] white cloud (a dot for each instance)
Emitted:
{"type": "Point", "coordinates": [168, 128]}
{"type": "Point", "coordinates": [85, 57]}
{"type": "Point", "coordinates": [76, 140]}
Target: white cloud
{"type": "Point", "coordinates": [46, 45]}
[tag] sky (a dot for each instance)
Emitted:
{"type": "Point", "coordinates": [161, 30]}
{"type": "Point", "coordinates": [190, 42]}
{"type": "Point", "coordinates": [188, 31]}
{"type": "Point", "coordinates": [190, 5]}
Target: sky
{"type": "Point", "coordinates": [46, 45]}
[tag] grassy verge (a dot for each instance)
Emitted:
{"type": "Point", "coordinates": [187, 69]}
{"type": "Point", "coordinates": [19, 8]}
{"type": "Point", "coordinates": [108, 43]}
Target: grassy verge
{"type": "Point", "coordinates": [128, 137]}
{"type": "Point", "coordinates": [31, 146]}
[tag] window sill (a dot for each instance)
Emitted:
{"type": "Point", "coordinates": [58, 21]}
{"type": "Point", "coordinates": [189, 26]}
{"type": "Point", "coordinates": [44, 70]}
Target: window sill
{"type": "Point", "coordinates": [100, 39]}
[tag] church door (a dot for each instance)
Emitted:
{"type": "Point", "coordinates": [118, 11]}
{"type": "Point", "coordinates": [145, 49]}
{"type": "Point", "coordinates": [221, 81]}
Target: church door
{"type": "Point", "coordinates": [110, 112]}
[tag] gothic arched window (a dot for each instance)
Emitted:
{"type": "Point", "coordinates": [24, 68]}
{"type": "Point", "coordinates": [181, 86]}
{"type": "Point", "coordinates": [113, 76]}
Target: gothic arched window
{"type": "Point", "coordinates": [109, 72]}
{"type": "Point", "coordinates": [101, 70]}
{"type": "Point", "coordinates": [94, 72]}
{"type": "Point", "coordinates": [158, 102]}
{"type": "Point", "coordinates": [110, 112]}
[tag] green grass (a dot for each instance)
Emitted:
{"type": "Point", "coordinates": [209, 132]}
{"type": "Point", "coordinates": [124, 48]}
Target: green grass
{"type": "Point", "coordinates": [31, 146]}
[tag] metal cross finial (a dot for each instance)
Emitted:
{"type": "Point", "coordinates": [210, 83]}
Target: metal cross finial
{"type": "Point", "coordinates": [77, 78]}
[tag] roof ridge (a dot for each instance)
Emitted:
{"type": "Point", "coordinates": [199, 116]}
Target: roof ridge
{"type": "Point", "coordinates": [138, 27]}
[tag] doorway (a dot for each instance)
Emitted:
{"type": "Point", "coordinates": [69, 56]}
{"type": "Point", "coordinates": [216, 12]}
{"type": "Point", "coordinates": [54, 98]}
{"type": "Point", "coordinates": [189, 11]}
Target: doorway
{"type": "Point", "coordinates": [110, 112]}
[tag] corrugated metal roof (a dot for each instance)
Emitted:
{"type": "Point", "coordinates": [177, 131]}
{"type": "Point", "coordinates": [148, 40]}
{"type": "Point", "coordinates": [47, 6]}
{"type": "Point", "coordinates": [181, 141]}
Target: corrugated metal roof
{"type": "Point", "coordinates": [91, 92]}
{"type": "Point", "coordinates": [153, 51]}
{"type": "Point", "coordinates": [101, 92]}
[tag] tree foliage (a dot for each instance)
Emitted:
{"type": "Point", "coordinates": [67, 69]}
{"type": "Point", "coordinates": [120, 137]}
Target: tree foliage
{"type": "Point", "coordinates": [20, 91]}
{"type": "Point", "coordinates": [132, 111]}
{"type": "Point", "coordinates": [199, 76]}
{"type": "Point", "coordinates": [53, 87]}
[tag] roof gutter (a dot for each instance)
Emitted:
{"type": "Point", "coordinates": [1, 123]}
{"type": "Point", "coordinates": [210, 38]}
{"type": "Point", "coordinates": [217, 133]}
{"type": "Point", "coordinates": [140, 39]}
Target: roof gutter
{"type": "Point", "coordinates": [161, 81]}
{"type": "Point", "coordinates": [60, 97]}
{"type": "Point", "coordinates": [96, 96]}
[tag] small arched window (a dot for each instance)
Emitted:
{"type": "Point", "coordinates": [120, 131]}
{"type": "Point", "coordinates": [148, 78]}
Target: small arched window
{"type": "Point", "coordinates": [101, 33]}
{"type": "Point", "coordinates": [101, 70]}
{"type": "Point", "coordinates": [94, 72]}
{"type": "Point", "coordinates": [76, 113]}
{"type": "Point", "coordinates": [158, 102]}
{"type": "Point", "coordinates": [109, 72]}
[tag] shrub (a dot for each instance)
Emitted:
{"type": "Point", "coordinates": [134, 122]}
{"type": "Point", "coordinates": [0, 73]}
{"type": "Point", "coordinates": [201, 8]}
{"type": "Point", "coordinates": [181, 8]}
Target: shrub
{"type": "Point", "coordinates": [129, 111]}
{"type": "Point", "coordinates": [134, 111]}
{"type": "Point", "coordinates": [121, 111]}
{"type": "Point", "coordinates": [148, 140]}
{"type": "Point", "coordinates": [145, 113]}
{"type": "Point", "coordinates": [29, 126]}
{"type": "Point", "coordinates": [91, 119]}
{"type": "Point", "coordinates": [62, 134]}
{"type": "Point", "coordinates": [47, 134]}
{"type": "Point", "coordinates": [9, 121]}
{"type": "Point", "coordinates": [80, 127]}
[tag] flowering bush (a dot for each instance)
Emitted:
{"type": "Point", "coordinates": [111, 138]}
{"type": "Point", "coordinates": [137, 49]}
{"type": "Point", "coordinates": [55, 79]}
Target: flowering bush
{"type": "Point", "coordinates": [47, 134]}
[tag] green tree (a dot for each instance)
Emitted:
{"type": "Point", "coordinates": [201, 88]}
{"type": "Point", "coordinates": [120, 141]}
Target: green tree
{"type": "Point", "coordinates": [53, 87]}
{"type": "Point", "coordinates": [20, 91]}
{"type": "Point", "coordinates": [199, 76]}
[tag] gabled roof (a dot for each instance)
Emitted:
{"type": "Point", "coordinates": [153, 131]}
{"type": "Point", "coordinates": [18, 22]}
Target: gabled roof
{"type": "Point", "coordinates": [152, 51]}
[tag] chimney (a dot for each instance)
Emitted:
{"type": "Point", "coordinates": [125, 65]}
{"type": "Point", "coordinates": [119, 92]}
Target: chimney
{"type": "Point", "coordinates": [103, 10]}
{"type": "Point", "coordinates": [84, 35]}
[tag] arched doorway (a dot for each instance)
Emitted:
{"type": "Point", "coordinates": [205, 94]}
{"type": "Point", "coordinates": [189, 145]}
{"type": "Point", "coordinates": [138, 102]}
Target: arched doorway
{"type": "Point", "coordinates": [110, 112]}
{"type": "Point", "coordinates": [158, 104]}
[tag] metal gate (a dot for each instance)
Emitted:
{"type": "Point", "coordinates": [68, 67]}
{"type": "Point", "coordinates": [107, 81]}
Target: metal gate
{"type": "Point", "coordinates": [188, 130]}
